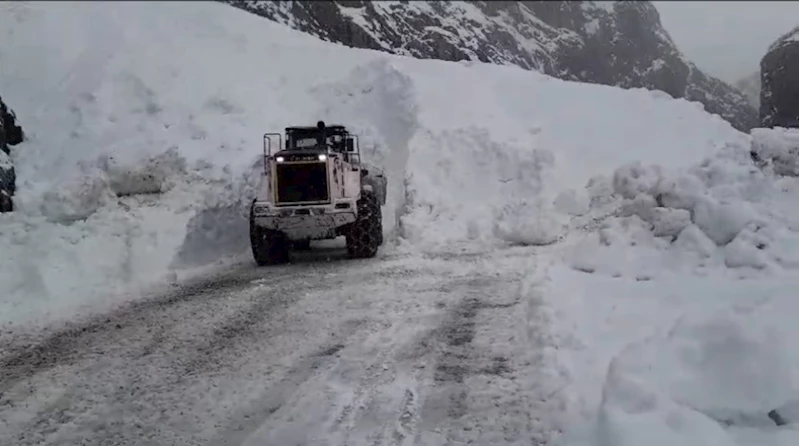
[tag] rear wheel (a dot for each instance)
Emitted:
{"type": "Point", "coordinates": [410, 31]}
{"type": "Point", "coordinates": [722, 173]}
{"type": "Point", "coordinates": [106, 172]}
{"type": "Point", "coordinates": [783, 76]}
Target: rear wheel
{"type": "Point", "coordinates": [6, 203]}
{"type": "Point", "coordinates": [366, 233]}
{"type": "Point", "coordinates": [269, 247]}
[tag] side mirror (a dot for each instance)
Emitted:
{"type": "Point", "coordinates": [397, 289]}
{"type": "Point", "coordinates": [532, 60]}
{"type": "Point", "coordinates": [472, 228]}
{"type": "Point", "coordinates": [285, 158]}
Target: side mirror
{"type": "Point", "coordinates": [350, 144]}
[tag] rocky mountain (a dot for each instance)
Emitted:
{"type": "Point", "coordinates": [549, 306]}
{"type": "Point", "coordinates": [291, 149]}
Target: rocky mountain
{"type": "Point", "coordinates": [615, 43]}
{"type": "Point", "coordinates": [750, 87]}
{"type": "Point", "coordinates": [779, 75]}
{"type": "Point", "coordinates": [10, 134]}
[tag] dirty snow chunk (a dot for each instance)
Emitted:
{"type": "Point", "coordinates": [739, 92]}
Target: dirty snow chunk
{"type": "Point", "coordinates": [635, 178]}
{"type": "Point", "coordinates": [749, 247]}
{"type": "Point", "coordinates": [722, 364]}
{"type": "Point", "coordinates": [722, 221]}
{"type": "Point", "coordinates": [641, 206]}
{"type": "Point", "coordinates": [150, 176]}
{"type": "Point", "coordinates": [678, 386]}
{"type": "Point", "coordinates": [680, 191]}
{"type": "Point", "coordinates": [608, 250]}
{"type": "Point", "coordinates": [630, 231]}
{"type": "Point", "coordinates": [76, 198]}
{"type": "Point", "coordinates": [633, 413]}
{"type": "Point", "coordinates": [779, 146]}
{"type": "Point", "coordinates": [525, 224]}
{"type": "Point", "coordinates": [591, 255]}
{"type": "Point", "coordinates": [669, 222]}
{"type": "Point", "coordinates": [738, 253]}
{"type": "Point", "coordinates": [585, 255]}
{"type": "Point", "coordinates": [600, 191]}
{"type": "Point", "coordinates": [572, 203]}
{"type": "Point", "coordinates": [536, 231]}
{"type": "Point", "coordinates": [691, 239]}
{"type": "Point", "coordinates": [133, 181]}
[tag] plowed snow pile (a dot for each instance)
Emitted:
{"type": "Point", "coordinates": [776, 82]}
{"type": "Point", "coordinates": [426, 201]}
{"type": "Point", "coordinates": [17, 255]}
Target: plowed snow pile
{"type": "Point", "coordinates": [677, 307]}
{"type": "Point", "coordinates": [733, 210]}
{"type": "Point", "coordinates": [145, 124]}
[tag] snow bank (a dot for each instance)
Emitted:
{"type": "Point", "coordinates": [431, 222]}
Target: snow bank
{"type": "Point", "coordinates": [714, 378]}
{"type": "Point", "coordinates": [683, 334]}
{"type": "Point", "coordinates": [730, 210]}
{"type": "Point", "coordinates": [777, 148]}
{"type": "Point", "coordinates": [689, 360]}
{"type": "Point", "coordinates": [145, 123]}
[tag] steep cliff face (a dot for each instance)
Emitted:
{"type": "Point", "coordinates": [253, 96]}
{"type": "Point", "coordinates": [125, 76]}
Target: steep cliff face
{"type": "Point", "coordinates": [614, 43]}
{"type": "Point", "coordinates": [779, 76]}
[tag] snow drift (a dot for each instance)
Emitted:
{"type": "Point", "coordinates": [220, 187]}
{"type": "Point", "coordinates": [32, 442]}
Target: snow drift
{"type": "Point", "coordinates": [145, 124]}
{"type": "Point", "coordinates": [723, 373]}
{"type": "Point", "coordinates": [678, 296]}
{"type": "Point", "coordinates": [734, 209]}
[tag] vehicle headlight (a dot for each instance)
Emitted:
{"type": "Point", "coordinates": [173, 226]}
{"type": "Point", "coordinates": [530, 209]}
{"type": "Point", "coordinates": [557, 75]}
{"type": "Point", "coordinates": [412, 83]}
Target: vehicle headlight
{"type": "Point", "coordinates": [259, 209]}
{"type": "Point", "coordinates": [280, 159]}
{"type": "Point", "coordinates": [322, 157]}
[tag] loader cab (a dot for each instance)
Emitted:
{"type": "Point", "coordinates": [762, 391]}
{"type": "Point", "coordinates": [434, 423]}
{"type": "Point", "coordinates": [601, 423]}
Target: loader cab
{"type": "Point", "coordinates": [334, 138]}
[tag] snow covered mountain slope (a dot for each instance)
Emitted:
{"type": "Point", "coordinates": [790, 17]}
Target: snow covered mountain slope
{"type": "Point", "coordinates": [143, 147]}
{"type": "Point", "coordinates": [612, 43]}
{"type": "Point", "coordinates": [750, 86]}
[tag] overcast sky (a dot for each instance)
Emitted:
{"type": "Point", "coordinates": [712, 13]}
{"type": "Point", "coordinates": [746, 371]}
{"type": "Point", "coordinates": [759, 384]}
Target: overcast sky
{"type": "Point", "coordinates": [727, 39]}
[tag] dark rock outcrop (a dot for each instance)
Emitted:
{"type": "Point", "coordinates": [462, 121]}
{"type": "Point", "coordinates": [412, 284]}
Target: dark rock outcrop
{"type": "Point", "coordinates": [10, 134]}
{"type": "Point", "coordinates": [620, 43]}
{"type": "Point", "coordinates": [779, 78]}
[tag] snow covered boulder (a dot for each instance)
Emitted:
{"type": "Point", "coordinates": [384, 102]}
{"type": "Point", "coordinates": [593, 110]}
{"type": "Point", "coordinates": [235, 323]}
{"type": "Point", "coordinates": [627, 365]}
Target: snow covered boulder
{"type": "Point", "coordinates": [687, 385]}
{"type": "Point", "coordinates": [634, 413]}
{"type": "Point", "coordinates": [600, 191]}
{"type": "Point", "coordinates": [572, 202]}
{"type": "Point", "coordinates": [693, 241]}
{"type": "Point", "coordinates": [529, 224]}
{"type": "Point", "coordinates": [669, 222]}
{"type": "Point", "coordinates": [722, 221]}
{"type": "Point", "coordinates": [150, 176]}
{"type": "Point", "coordinates": [777, 147]}
{"type": "Point", "coordinates": [634, 179]}
{"type": "Point", "coordinates": [76, 198]}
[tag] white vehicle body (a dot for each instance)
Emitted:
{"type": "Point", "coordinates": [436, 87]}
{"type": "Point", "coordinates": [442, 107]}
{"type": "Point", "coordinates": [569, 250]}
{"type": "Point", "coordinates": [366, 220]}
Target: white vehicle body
{"type": "Point", "coordinates": [317, 219]}
{"type": "Point", "coordinates": [336, 178]}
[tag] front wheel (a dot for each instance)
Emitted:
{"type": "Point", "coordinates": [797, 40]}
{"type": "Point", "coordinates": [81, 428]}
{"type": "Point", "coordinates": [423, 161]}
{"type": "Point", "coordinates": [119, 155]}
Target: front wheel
{"type": "Point", "coordinates": [366, 233]}
{"type": "Point", "coordinates": [269, 247]}
{"type": "Point", "coordinates": [6, 202]}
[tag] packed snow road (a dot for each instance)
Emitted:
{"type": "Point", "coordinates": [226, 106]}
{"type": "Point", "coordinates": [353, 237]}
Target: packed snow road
{"type": "Point", "coordinates": [403, 349]}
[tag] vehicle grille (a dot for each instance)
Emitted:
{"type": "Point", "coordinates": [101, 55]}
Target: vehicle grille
{"type": "Point", "coordinates": [302, 182]}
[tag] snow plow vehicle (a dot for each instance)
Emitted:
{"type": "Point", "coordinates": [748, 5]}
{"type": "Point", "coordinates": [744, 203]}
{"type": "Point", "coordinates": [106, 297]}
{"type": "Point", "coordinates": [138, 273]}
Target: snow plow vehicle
{"type": "Point", "coordinates": [315, 187]}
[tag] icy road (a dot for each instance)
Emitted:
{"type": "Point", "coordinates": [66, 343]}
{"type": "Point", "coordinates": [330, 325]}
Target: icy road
{"type": "Point", "coordinates": [401, 350]}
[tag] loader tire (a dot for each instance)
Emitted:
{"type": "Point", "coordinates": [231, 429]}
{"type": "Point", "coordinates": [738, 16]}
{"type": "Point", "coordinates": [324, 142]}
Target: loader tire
{"type": "Point", "coordinates": [365, 234]}
{"type": "Point", "coordinates": [269, 247]}
{"type": "Point", "coordinates": [6, 202]}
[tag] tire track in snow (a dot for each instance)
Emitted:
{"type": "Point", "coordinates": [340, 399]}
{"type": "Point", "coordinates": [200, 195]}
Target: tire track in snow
{"type": "Point", "coordinates": [23, 357]}
{"type": "Point", "coordinates": [399, 352]}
